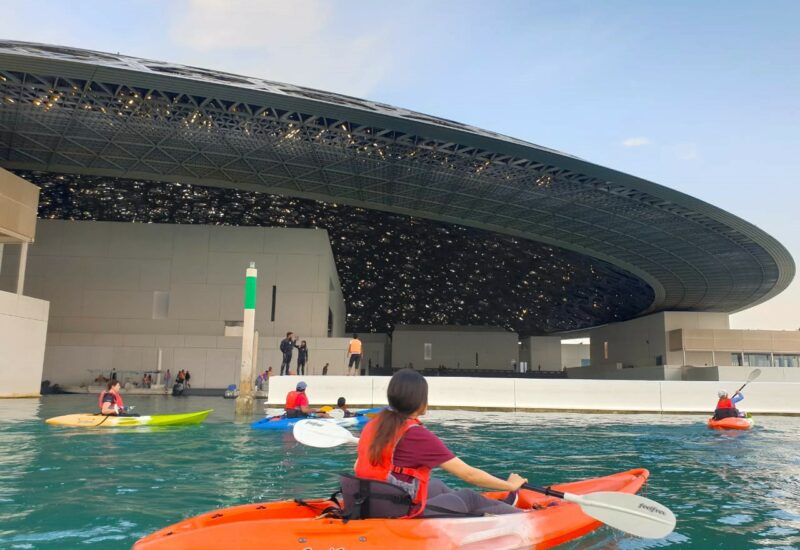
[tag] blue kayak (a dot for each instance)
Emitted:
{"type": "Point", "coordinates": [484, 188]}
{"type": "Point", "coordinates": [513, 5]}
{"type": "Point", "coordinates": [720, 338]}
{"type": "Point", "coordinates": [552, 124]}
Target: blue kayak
{"type": "Point", "coordinates": [283, 423]}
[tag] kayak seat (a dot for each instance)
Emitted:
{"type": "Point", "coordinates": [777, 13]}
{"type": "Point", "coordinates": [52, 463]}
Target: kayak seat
{"type": "Point", "coordinates": [370, 498]}
{"type": "Point", "coordinates": [721, 414]}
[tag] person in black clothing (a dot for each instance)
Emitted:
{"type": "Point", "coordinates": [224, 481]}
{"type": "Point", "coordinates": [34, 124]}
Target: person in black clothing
{"type": "Point", "coordinates": [302, 358]}
{"type": "Point", "coordinates": [287, 347]}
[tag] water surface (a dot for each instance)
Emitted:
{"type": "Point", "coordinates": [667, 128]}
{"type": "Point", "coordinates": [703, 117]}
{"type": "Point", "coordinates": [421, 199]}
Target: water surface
{"type": "Point", "coordinates": [77, 488]}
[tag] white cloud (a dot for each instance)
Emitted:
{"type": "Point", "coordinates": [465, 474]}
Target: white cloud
{"type": "Point", "coordinates": [638, 141]}
{"type": "Point", "coordinates": [299, 42]}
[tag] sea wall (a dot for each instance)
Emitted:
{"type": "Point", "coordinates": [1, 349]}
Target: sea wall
{"type": "Point", "coordinates": [552, 395]}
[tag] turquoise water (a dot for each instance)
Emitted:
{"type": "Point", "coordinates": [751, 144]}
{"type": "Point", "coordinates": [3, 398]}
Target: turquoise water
{"type": "Point", "coordinates": [74, 488]}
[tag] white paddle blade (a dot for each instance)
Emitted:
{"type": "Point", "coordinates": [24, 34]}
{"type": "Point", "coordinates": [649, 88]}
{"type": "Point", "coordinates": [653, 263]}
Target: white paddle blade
{"type": "Point", "coordinates": [321, 433]}
{"type": "Point", "coordinates": [633, 514]}
{"type": "Point", "coordinates": [336, 413]}
{"type": "Point", "coordinates": [753, 375]}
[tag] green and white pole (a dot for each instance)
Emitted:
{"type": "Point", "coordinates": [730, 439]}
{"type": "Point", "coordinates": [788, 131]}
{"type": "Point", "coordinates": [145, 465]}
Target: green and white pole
{"type": "Point", "coordinates": [245, 402]}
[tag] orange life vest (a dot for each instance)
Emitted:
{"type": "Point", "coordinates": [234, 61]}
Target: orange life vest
{"type": "Point", "coordinates": [291, 399]}
{"type": "Point", "coordinates": [117, 399]}
{"type": "Point", "coordinates": [366, 470]}
{"type": "Point", "coordinates": [725, 403]}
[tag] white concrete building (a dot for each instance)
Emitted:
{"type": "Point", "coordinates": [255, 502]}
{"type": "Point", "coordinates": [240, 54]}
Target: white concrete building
{"type": "Point", "coordinates": [429, 347]}
{"type": "Point", "coordinates": [23, 320]}
{"type": "Point", "coordinates": [123, 292]}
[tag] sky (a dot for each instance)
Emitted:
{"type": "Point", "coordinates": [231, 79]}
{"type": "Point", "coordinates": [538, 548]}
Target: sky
{"type": "Point", "coordinates": [703, 97]}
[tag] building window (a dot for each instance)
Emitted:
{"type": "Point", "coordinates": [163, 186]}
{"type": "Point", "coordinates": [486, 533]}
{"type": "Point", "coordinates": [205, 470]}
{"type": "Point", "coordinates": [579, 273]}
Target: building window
{"type": "Point", "coordinates": [757, 360]}
{"type": "Point", "coordinates": [428, 352]}
{"type": "Point", "coordinates": [787, 360]}
{"type": "Point", "coordinates": [659, 360]}
{"type": "Point", "coordinates": [736, 359]}
{"type": "Point", "coordinates": [274, 296]}
{"type": "Point", "coordinates": [605, 350]}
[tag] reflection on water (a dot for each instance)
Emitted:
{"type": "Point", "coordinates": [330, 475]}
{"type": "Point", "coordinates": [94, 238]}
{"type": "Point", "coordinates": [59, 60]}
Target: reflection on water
{"type": "Point", "coordinates": [66, 488]}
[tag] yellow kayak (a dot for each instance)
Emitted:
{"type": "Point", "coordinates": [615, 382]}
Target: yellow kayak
{"type": "Point", "coordinates": [99, 421]}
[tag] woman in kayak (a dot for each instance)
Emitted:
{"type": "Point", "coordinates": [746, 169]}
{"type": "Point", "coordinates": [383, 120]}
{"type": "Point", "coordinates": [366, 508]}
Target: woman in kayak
{"type": "Point", "coordinates": [110, 400]}
{"type": "Point", "coordinates": [397, 449]}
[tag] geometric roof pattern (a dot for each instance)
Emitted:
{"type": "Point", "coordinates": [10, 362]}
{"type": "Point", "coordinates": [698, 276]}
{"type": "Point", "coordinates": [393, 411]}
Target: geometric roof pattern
{"type": "Point", "coordinates": [393, 269]}
{"type": "Point", "coordinates": [83, 112]}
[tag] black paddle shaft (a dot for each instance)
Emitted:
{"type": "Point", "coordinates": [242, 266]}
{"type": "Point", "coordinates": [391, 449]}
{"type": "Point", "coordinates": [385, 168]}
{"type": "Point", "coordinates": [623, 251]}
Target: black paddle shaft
{"type": "Point", "coordinates": [544, 490]}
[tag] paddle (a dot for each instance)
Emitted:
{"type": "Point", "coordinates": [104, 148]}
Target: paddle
{"type": "Point", "coordinates": [753, 375]}
{"type": "Point", "coordinates": [633, 514]}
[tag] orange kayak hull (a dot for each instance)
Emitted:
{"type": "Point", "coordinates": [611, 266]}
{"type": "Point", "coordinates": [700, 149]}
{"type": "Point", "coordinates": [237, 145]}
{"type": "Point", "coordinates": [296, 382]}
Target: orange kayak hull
{"type": "Point", "coordinates": [290, 525]}
{"type": "Point", "coordinates": [732, 423]}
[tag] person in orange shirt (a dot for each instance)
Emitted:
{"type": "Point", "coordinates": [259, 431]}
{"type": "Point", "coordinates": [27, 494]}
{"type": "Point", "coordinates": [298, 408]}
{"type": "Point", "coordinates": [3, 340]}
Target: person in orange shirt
{"type": "Point", "coordinates": [354, 349]}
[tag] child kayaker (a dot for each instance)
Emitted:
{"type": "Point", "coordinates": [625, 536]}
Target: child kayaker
{"type": "Point", "coordinates": [396, 448]}
{"type": "Point", "coordinates": [341, 403]}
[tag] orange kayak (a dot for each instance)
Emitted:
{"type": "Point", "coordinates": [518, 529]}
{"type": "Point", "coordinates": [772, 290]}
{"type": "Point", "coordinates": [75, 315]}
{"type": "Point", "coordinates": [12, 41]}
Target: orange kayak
{"type": "Point", "coordinates": [292, 525]}
{"type": "Point", "coordinates": [732, 423]}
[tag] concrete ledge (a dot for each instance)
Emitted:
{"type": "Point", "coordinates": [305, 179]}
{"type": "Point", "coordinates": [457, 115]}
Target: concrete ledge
{"type": "Point", "coordinates": [591, 396]}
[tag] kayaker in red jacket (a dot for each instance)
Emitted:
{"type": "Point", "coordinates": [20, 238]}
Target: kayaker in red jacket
{"type": "Point", "coordinates": [726, 406]}
{"type": "Point", "coordinates": [297, 404]}
{"type": "Point", "coordinates": [396, 448]}
{"type": "Point", "coordinates": [110, 400]}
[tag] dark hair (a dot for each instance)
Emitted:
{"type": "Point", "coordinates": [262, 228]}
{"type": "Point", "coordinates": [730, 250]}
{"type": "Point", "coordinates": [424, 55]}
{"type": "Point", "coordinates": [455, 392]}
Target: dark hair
{"type": "Point", "coordinates": [355, 336]}
{"type": "Point", "coordinates": [289, 333]}
{"type": "Point", "coordinates": [340, 402]}
{"type": "Point", "coordinates": [407, 393]}
{"type": "Point", "coordinates": [111, 383]}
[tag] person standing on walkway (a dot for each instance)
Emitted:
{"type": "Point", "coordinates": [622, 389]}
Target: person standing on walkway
{"type": "Point", "coordinates": [302, 358]}
{"type": "Point", "coordinates": [287, 347]}
{"type": "Point", "coordinates": [354, 349]}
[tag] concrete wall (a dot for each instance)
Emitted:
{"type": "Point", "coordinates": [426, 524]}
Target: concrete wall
{"type": "Point", "coordinates": [454, 347]}
{"type": "Point", "coordinates": [23, 332]}
{"type": "Point", "coordinates": [102, 277]}
{"type": "Point", "coordinates": [690, 373]}
{"type": "Point", "coordinates": [214, 361]}
{"type": "Point", "coordinates": [19, 201]}
{"type": "Point", "coordinates": [637, 373]}
{"type": "Point", "coordinates": [572, 355]}
{"type": "Point", "coordinates": [643, 341]}
{"type": "Point", "coordinates": [538, 394]}
{"type": "Point", "coordinates": [541, 352]}
{"type": "Point", "coordinates": [377, 348]}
